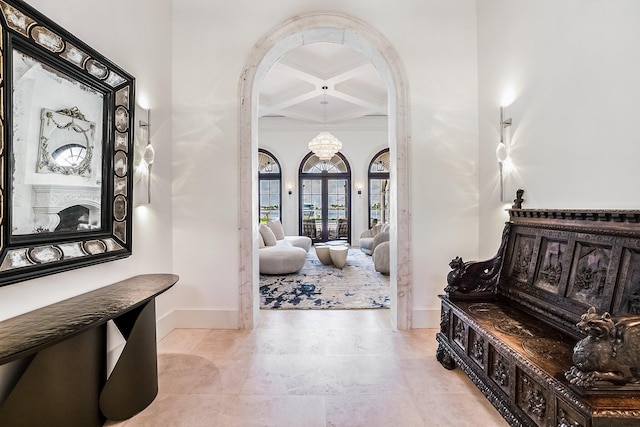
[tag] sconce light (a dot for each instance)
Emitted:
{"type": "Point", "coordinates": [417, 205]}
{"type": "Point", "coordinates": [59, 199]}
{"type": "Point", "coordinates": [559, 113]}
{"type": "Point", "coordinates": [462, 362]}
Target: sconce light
{"type": "Point", "coordinates": [290, 191]}
{"type": "Point", "coordinates": [359, 191]}
{"type": "Point", "coordinates": [149, 154]}
{"type": "Point", "coordinates": [502, 152]}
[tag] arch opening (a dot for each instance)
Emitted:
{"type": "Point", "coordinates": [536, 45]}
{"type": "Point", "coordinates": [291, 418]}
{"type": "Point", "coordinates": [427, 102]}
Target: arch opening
{"type": "Point", "coordinates": [346, 30]}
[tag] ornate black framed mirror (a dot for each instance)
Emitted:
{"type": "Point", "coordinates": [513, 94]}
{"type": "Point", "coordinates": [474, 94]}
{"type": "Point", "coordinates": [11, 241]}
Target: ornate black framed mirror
{"type": "Point", "coordinates": [66, 151]}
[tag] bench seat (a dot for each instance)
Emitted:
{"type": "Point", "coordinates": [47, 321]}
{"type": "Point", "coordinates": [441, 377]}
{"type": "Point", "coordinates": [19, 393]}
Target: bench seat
{"type": "Point", "coordinates": [544, 329]}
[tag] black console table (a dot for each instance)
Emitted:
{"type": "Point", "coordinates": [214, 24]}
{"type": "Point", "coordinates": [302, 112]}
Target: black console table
{"type": "Point", "coordinates": [59, 353]}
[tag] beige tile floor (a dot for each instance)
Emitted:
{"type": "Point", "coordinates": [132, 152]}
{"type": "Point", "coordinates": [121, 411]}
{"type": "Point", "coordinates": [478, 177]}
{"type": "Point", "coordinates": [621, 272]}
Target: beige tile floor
{"type": "Point", "coordinates": [311, 368]}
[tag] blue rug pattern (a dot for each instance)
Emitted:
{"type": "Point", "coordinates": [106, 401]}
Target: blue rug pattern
{"type": "Point", "coordinates": [318, 286]}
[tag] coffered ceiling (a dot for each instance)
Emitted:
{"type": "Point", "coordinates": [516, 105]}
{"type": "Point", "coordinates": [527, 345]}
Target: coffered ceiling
{"type": "Point", "coordinates": [293, 87]}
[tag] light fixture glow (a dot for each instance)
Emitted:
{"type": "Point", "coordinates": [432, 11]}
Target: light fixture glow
{"type": "Point", "coordinates": [149, 155]}
{"type": "Point", "coordinates": [325, 145]}
{"type": "Point", "coordinates": [502, 153]}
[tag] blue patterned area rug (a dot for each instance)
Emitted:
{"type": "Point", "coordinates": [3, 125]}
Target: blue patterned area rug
{"type": "Point", "coordinates": [319, 286]}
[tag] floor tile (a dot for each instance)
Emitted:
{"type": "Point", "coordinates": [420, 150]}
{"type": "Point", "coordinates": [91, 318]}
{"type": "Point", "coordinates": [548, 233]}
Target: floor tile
{"type": "Point", "coordinates": [311, 368]}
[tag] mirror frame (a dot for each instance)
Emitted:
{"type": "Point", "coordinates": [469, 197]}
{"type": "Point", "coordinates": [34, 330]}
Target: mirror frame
{"type": "Point", "coordinates": [27, 256]}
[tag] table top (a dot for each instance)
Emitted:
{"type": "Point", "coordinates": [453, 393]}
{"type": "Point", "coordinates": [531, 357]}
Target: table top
{"type": "Point", "coordinates": [30, 332]}
{"type": "Point", "coordinates": [333, 243]}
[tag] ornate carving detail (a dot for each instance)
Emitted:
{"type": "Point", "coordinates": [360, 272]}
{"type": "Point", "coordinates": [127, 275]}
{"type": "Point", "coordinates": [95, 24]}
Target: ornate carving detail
{"type": "Point", "coordinates": [477, 348]}
{"type": "Point", "coordinates": [458, 332]}
{"type": "Point", "coordinates": [532, 399]}
{"type": "Point", "coordinates": [620, 413]}
{"type": "Point", "coordinates": [517, 202]}
{"type": "Point", "coordinates": [523, 256]}
{"type": "Point", "coordinates": [591, 273]}
{"type": "Point", "coordinates": [497, 401]}
{"type": "Point", "coordinates": [476, 276]}
{"type": "Point", "coordinates": [501, 371]}
{"type": "Point", "coordinates": [516, 328]}
{"type": "Point", "coordinates": [551, 269]}
{"type": "Point", "coordinates": [564, 420]}
{"type": "Point", "coordinates": [444, 357]}
{"type": "Point", "coordinates": [609, 354]}
{"type": "Point", "coordinates": [444, 321]}
{"type": "Point", "coordinates": [523, 363]}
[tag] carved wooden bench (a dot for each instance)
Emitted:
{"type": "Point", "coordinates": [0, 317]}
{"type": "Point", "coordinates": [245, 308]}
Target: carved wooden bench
{"type": "Point", "coordinates": [511, 323]}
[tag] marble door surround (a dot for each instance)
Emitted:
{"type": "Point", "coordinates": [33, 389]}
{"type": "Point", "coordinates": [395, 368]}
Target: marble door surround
{"type": "Point", "coordinates": [348, 31]}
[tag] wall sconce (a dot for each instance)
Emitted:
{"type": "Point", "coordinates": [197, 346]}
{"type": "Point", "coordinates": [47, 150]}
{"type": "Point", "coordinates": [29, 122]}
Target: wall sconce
{"type": "Point", "coordinates": [149, 154]}
{"type": "Point", "coordinates": [359, 191]}
{"type": "Point", "coordinates": [290, 191]}
{"type": "Point", "coordinates": [502, 152]}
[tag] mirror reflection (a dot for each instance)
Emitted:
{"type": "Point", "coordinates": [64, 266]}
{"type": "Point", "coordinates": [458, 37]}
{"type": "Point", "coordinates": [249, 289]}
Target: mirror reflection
{"type": "Point", "coordinates": [57, 150]}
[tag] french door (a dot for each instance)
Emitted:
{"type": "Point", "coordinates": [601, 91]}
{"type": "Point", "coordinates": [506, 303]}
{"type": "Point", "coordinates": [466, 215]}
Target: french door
{"type": "Point", "coordinates": [325, 208]}
{"type": "Point", "coordinates": [325, 200]}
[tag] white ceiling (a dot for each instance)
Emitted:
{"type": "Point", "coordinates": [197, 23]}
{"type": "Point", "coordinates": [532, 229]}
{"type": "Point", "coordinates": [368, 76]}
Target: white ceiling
{"type": "Point", "coordinates": [293, 86]}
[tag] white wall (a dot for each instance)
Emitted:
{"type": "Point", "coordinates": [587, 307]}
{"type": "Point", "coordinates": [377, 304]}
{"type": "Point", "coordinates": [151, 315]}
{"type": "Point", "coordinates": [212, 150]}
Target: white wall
{"type": "Point", "coordinates": [136, 36]}
{"type": "Point", "coordinates": [567, 72]}
{"type": "Point", "coordinates": [212, 40]}
{"type": "Point", "coordinates": [288, 141]}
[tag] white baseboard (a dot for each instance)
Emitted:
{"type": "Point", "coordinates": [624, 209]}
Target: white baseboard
{"type": "Point", "coordinates": [228, 319]}
{"type": "Point", "coordinates": [426, 318]}
{"type": "Point", "coordinates": [196, 319]}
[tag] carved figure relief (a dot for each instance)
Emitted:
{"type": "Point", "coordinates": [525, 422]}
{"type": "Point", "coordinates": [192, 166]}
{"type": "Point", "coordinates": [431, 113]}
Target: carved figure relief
{"type": "Point", "coordinates": [532, 399]}
{"type": "Point", "coordinates": [522, 258]}
{"type": "Point", "coordinates": [630, 275]}
{"type": "Point", "coordinates": [515, 328]}
{"type": "Point", "coordinates": [476, 276]}
{"type": "Point", "coordinates": [501, 372]}
{"type": "Point", "coordinates": [590, 274]}
{"type": "Point", "coordinates": [551, 266]}
{"type": "Point", "coordinates": [458, 332]}
{"type": "Point", "coordinates": [477, 349]}
{"type": "Point", "coordinates": [444, 321]}
{"type": "Point", "coordinates": [610, 353]}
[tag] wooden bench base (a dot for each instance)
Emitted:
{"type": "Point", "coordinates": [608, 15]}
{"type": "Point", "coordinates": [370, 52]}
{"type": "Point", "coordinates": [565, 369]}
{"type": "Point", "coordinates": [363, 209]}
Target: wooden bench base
{"type": "Point", "coordinates": [519, 363]}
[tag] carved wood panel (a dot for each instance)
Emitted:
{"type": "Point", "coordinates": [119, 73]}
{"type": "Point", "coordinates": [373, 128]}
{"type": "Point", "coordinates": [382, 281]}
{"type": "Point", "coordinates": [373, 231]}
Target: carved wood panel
{"type": "Point", "coordinates": [567, 416]}
{"type": "Point", "coordinates": [532, 399]}
{"type": "Point", "coordinates": [500, 370]}
{"type": "Point", "coordinates": [628, 300]}
{"type": "Point", "coordinates": [551, 266]}
{"type": "Point", "coordinates": [522, 257]}
{"type": "Point", "coordinates": [589, 272]}
{"type": "Point", "coordinates": [459, 332]}
{"type": "Point", "coordinates": [477, 350]}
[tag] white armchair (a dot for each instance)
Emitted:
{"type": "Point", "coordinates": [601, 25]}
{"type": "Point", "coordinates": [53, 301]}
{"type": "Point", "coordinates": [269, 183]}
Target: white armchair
{"type": "Point", "coordinates": [367, 238]}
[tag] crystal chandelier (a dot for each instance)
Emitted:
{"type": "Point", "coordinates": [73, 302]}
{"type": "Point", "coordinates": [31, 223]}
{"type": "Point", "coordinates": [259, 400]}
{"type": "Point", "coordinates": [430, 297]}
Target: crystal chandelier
{"type": "Point", "coordinates": [325, 145]}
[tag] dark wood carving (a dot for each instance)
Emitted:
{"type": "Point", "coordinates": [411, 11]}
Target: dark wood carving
{"type": "Point", "coordinates": [549, 329]}
{"type": "Point", "coordinates": [517, 202]}
{"type": "Point", "coordinates": [476, 277]}
{"type": "Point", "coordinates": [608, 355]}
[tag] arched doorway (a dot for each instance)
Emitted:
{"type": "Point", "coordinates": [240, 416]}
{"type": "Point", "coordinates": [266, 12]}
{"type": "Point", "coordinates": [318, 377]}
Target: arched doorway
{"type": "Point", "coordinates": [346, 30]}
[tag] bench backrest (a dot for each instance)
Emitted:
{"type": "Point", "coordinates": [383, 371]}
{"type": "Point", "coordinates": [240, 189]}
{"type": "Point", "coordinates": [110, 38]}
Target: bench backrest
{"type": "Point", "coordinates": [558, 263]}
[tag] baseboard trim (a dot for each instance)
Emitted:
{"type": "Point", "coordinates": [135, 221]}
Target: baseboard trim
{"type": "Point", "coordinates": [428, 318]}
{"type": "Point", "coordinates": [196, 319]}
{"type": "Point", "coordinates": [425, 318]}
